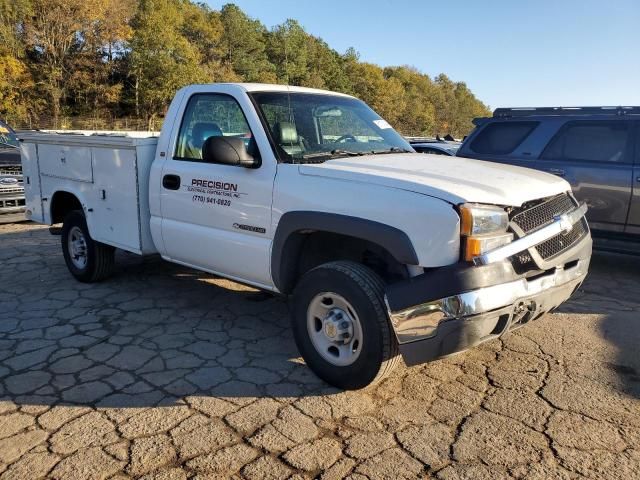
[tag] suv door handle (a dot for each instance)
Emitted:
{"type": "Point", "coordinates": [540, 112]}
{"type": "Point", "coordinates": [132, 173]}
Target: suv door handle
{"type": "Point", "coordinates": [556, 171]}
{"type": "Point", "coordinates": [171, 182]}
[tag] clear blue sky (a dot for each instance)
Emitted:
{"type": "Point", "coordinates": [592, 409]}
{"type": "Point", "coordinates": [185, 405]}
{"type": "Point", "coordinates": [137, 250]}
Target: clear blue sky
{"type": "Point", "coordinates": [509, 52]}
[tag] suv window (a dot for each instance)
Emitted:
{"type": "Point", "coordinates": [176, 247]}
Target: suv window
{"type": "Point", "coordinates": [501, 138]}
{"type": "Point", "coordinates": [594, 141]}
{"type": "Point", "coordinates": [209, 115]}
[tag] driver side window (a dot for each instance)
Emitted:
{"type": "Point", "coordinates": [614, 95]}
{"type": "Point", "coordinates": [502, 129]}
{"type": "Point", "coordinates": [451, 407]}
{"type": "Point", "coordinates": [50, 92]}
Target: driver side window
{"type": "Point", "coordinates": [209, 115]}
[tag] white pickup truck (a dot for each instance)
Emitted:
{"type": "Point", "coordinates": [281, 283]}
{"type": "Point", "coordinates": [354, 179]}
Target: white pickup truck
{"type": "Point", "coordinates": [310, 193]}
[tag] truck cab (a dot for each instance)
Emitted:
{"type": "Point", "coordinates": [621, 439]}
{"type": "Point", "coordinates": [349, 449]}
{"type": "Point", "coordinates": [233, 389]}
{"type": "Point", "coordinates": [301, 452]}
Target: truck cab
{"type": "Point", "coordinates": [312, 195]}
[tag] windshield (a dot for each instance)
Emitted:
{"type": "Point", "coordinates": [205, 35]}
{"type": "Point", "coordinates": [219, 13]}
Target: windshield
{"type": "Point", "coordinates": [7, 137]}
{"type": "Point", "coordinates": [308, 127]}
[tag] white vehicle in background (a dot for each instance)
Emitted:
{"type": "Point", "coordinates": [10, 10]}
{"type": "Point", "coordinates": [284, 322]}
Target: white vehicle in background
{"type": "Point", "coordinates": [311, 194]}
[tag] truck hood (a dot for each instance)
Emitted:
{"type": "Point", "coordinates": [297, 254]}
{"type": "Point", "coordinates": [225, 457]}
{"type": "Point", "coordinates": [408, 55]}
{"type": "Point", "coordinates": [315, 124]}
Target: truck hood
{"type": "Point", "coordinates": [453, 179]}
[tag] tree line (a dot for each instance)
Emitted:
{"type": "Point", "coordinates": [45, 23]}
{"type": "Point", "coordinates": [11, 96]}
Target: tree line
{"type": "Point", "coordinates": [109, 59]}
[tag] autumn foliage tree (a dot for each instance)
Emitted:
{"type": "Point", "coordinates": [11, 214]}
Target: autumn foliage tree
{"type": "Point", "coordinates": [16, 81]}
{"type": "Point", "coordinates": [162, 59]}
{"type": "Point", "coordinates": [61, 60]}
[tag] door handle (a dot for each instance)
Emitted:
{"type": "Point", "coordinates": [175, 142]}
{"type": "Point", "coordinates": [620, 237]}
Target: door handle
{"type": "Point", "coordinates": [171, 182]}
{"type": "Point", "coordinates": [556, 171]}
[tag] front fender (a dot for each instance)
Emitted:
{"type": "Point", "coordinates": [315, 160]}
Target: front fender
{"type": "Point", "coordinates": [430, 224]}
{"type": "Point", "coordinates": [285, 241]}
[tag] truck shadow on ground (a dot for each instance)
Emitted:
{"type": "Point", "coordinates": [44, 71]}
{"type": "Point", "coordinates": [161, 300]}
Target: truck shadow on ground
{"type": "Point", "coordinates": [152, 334]}
{"type": "Point", "coordinates": [612, 291]}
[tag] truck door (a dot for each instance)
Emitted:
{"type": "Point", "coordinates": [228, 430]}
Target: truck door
{"type": "Point", "coordinates": [633, 224]}
{"type": "Point", "coordinates": [217, 217]}
{"type": "Point", "coordinates": [595, 157]}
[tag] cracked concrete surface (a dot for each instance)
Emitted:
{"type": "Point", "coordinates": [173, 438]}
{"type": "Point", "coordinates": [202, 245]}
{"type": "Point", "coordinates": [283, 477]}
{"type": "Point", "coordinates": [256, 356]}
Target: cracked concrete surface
{"type": "Point", "coordinates": [166, 373]}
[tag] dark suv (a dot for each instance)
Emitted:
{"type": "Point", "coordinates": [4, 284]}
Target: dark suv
{"type": "Point", "coordinates": [596, 149]}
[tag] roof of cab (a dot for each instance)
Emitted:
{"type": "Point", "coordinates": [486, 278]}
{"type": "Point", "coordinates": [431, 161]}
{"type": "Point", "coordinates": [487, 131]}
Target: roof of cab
{"type": "Point", "coordinates": [268, 87]}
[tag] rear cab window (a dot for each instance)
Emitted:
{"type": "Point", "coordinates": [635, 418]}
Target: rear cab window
{"type": "Point", "coordinates": [590, 141]}
{"type": "Point", "coordinates": [502, 138]}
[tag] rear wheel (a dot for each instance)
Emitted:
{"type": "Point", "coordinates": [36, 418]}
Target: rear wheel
{"type": "Point", "coordinates": [87, 260]}
{"type": "Point", "coordinates": [341, 326]}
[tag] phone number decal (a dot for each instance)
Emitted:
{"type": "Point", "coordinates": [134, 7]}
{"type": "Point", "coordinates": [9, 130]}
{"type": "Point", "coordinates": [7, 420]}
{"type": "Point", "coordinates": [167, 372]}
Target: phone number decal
{"type": "Point", "coordinates": [222, 202]}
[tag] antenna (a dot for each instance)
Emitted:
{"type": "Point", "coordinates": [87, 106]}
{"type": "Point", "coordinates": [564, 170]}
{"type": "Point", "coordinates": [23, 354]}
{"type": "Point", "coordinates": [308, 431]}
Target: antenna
{"type": "Point", "coordinates": [286, 60]}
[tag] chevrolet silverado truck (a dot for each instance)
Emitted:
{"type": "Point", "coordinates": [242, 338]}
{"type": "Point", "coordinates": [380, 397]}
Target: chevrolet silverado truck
{"type": "Point", "coordinates": [310, 194]}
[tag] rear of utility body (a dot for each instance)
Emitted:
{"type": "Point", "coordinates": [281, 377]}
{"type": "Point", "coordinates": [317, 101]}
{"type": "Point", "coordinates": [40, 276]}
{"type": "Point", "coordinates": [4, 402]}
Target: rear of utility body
{"type": "Point", "coordinates": [108, 175]}
{"type": "Point", "coordinates": [250, 224]}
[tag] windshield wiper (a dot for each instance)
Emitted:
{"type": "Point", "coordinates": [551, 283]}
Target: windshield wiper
{"type": "Point", "coordinates": [391, 150]}
{"type": "Point", "coordinates": [332, 153]}
{"type": "Point", "coordinates": [339, 151]}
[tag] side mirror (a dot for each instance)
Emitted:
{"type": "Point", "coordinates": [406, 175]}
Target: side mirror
{"type": "Point", "coordinates": [228, 151]}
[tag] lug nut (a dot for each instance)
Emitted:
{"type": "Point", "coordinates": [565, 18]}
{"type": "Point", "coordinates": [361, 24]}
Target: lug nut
{"type": "Point", "coordinates": [344, 325]}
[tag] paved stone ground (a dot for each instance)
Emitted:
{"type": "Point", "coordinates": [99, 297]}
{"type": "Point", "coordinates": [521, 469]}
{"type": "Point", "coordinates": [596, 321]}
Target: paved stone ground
{"type": "Point", "coordinates": [166, 373]}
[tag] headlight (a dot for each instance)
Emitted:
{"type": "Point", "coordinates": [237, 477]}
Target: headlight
{"type": "Point", "coordinates": [481, 219]}
{"type": "Point", "coordinates": [484, 228]}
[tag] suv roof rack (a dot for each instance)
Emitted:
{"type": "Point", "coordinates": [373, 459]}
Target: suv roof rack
{"type": "Point", "coordinates": [437, 139]}
{"type": "Point", "coordinates": [542, 111]}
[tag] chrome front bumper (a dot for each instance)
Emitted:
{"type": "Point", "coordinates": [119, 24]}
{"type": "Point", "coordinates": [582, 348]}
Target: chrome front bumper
{"type": "Point", "coordinates": [486, 298]}
{"type": "Point", "coordinates": [536, 296]}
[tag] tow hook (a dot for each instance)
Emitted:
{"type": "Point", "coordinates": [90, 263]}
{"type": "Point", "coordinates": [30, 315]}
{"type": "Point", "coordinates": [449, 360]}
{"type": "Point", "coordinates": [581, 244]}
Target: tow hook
{"type": "Point", "coordinates": [523, 312]}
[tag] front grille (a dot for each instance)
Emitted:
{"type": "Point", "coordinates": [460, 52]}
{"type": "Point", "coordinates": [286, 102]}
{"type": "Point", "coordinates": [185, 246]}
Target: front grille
{"type": "Point", "coordinates": [8, 190]}
{"type": "Point", "coordinates": [11, 180]}
{"type": "Point", "coordinates": [12, 203]}
{"type": "Point", "coordinates": [538, 215]}
{"type": "Point", "coordinates": [558, 244]}
{"type": "Point", "coordinates": [10, 169]}
{"type": "Point", "coordinates": [11, 194]}
{"type": "Point", "coordinates": [535, 215]}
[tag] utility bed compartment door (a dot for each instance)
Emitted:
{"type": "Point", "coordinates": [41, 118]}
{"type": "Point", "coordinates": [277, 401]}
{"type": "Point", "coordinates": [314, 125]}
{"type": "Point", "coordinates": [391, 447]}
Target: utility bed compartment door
{"type": "Point", "coordinates": [31, 181]}
{"type": "Point", "coordinates": [115, 216]}
{"type": "Point", "coordinates": [63, 161]}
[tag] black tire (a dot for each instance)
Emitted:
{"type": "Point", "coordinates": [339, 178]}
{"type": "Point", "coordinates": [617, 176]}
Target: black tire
{"type": "Point", "coordinates": [99, 257]}
{"type": "Point", "coordinates": [364, 290]}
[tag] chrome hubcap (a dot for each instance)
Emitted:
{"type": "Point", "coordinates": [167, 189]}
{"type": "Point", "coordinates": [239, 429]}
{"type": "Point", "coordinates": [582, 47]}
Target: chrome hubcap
{"type": "Point", "coordinates": [334, 329]}
{"type": "Point", "coordinates": [77, 246]}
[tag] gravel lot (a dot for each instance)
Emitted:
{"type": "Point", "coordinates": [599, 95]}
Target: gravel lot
{"type": "Point", "coordinates": [163, 372]}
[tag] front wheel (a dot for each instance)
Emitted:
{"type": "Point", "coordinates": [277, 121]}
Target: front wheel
{"type": "Point", "coordinates": [341, 326]}
{"type": "Point", "coordinates": [87, 260]}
